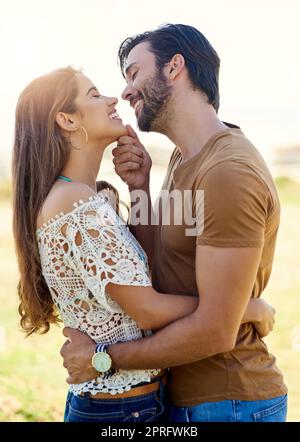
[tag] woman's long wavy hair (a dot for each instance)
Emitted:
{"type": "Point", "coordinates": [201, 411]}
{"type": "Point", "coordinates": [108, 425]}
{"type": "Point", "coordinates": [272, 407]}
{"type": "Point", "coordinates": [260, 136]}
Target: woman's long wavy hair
{"type": "Point", "coordinates": [40, 153]}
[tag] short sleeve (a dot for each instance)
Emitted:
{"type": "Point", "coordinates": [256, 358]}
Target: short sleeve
{"type": "Point", "coordinates": [235, 206]}
{"type": "Point", "coordinates": [105, 250]}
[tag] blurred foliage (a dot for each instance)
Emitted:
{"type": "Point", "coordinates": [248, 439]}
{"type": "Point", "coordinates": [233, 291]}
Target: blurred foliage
{"type": "Point", "coordinates": [5, 190]}
{"type": "Point", "coordinates": [288, 189]}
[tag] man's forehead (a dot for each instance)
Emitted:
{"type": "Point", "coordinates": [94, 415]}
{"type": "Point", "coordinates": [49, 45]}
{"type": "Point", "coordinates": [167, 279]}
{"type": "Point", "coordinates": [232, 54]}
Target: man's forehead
{"type": "Point", "coordinates": [139, 54]}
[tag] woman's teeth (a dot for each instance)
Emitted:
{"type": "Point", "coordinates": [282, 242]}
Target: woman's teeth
{"type": "Point", "coordinates": [114, 115]}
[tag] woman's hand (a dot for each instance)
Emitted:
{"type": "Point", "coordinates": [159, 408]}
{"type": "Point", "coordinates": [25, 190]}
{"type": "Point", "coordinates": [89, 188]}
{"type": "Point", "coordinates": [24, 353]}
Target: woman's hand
{"type": "Point", "coordinates": [262, 316]}
{"type": "Point", "coordinates": [266, 324]}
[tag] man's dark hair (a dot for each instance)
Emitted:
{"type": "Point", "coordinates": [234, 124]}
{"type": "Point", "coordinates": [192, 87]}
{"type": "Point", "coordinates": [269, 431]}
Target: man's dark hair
{"type": "Point", "coordinates": [201, 60]}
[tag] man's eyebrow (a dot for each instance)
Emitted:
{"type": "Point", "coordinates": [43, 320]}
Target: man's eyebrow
{"type": "Point", "coordinates": [93, 88]}
{"type": "Point", "coordinates": [129, 67]}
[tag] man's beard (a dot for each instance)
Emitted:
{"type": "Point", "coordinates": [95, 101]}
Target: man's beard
{"type": "Point", "coordinates": [156, 93]}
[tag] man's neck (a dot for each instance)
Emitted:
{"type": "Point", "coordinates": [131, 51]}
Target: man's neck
{"type": "Point", "coordinates": [193, 123]}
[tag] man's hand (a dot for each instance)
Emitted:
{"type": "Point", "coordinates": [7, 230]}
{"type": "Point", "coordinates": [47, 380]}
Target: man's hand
{"type": "Point", "coordinates": [267, 321]}
{"type": "Point", "coordinates": [132, 161]}
{"type": "Point", "coordinates": [77, 353]}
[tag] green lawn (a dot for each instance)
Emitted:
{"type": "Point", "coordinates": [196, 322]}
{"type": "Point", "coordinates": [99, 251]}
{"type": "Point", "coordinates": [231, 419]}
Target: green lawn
{"type": "Point", "coordinates": [32, 379]}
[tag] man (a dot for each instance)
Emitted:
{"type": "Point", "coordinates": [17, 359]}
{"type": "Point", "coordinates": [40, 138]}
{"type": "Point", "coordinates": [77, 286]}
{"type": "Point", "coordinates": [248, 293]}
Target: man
{"type": "Point", "coordinates": [219, 370]}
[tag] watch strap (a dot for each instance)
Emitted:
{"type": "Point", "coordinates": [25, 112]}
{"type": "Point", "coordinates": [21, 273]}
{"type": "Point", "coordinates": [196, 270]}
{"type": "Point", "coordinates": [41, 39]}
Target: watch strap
{"type": "Point", "coordinates": [101, 348]}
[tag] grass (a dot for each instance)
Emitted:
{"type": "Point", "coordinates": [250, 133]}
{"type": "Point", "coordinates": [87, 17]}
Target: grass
{"type": "Point", "coordinates": [32, 379]}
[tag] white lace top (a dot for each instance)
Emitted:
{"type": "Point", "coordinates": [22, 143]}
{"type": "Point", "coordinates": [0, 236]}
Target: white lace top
{"type": "Point", "coordinates": [81, 252]}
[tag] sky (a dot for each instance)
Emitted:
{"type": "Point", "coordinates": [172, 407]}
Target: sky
{"type": "Point", "coordinates": [257, 41]}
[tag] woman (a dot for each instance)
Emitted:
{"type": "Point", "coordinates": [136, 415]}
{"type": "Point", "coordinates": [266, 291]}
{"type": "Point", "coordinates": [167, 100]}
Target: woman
{"type": "Point", "coordinates": [73, 249]}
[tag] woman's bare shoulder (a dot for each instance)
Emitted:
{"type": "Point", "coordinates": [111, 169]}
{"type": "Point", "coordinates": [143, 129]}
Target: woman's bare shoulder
{"type": "Point", "coordinates": [61, 198]}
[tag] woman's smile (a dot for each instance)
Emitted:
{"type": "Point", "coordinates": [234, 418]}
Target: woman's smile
{"type": "Point", "coordinates": [114, 115]}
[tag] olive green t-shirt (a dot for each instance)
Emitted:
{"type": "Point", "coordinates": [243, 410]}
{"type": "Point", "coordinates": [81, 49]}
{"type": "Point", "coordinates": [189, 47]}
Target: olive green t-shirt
{"type": "Point", "coordinates": [241, 209]}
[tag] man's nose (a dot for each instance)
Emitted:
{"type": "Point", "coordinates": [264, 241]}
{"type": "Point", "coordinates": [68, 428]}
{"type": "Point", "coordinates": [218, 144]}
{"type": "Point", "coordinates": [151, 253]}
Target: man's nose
{"type": "Point", "coordinates": [127, 92]}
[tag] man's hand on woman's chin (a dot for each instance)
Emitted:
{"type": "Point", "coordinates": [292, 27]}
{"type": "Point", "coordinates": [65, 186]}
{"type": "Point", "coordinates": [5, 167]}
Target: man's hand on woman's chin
{"type": "Point", "coordinates": [132, 161]}
{"type": "Point", "coordinates": [77, 353]}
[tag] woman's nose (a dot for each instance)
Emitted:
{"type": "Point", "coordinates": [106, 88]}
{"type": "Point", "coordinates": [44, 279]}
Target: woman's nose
{"type": "Point", "coordinates": [113, 101]}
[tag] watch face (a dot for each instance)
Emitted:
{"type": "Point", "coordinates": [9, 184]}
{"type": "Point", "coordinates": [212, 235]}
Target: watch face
{"type": "Point", "coordinates": [101, 362]}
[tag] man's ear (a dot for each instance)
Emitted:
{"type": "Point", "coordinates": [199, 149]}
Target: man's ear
{"type": "Point", "coordinates": [66, 121]}
{"type": "Point", "coordinates": [175, 66]}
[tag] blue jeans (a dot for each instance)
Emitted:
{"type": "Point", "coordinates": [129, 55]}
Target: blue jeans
{"type": "Point", "coordinates": [151, 407]}
{"type": "Point", "coordinates": [270, 410]}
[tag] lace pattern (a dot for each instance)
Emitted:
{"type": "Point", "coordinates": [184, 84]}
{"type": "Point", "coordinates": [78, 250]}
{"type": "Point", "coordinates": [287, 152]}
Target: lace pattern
{"type": "Point", "coordinates": [81, 252]}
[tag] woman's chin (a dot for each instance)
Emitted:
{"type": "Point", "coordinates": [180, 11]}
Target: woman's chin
{"type": "Point", "coordinates": [119, 131]}
{"type": "Point", "coordinates": [122, 129]}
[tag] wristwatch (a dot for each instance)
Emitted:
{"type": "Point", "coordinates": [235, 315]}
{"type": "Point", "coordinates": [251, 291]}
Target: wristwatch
{"type": "Point", "coordinates": [101, 360]}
